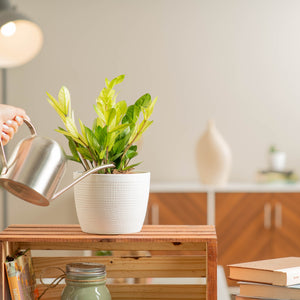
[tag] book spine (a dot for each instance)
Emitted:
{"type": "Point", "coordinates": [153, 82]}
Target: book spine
{"type": "Point", "coordinates": [13, 281]}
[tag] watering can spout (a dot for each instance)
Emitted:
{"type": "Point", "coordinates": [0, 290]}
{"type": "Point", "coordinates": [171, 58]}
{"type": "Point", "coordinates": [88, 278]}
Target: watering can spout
{"type": "Point", "coordinates": [85, 174]}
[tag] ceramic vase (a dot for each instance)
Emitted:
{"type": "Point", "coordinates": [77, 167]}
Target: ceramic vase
{"type": "Point", "coordinates": [112, 203]}
{"type": "Point", "coordinates": [213, 157]}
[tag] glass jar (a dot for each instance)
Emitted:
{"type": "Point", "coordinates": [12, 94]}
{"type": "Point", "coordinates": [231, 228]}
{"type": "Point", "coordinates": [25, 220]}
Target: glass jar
{"type": "Point", "coordinates": [85, 281]}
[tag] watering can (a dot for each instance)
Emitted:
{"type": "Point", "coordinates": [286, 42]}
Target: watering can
{"type": "Point", "coordinates": [35, 169]}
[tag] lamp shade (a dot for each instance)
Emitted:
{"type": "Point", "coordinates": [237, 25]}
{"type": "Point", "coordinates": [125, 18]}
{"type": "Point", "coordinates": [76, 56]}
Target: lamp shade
{"type": "Point", "coordinates": [20, 38]}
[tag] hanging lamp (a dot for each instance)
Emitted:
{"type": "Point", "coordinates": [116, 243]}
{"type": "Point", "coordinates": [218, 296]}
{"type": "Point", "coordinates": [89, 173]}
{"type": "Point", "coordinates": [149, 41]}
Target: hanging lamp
{"type": "Point", "coordinates": [20, 38]}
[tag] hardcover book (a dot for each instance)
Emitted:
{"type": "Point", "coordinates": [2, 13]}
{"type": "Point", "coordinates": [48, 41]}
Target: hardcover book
{"type": "Point", "coordinates": [291, 292]}
{"type": "Point", "coordinates": [239, 297]}
{"type": "Point", "coordinates": [279, 271]}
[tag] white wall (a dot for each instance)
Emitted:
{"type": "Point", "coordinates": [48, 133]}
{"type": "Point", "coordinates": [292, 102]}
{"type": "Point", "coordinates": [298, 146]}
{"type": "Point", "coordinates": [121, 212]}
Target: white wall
{"type": "Point", "coordinates": [234, 61]}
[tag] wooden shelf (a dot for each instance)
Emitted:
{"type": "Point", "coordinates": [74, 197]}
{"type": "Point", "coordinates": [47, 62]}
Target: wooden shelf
{"type": "Point", "coordinates": [127, 261]}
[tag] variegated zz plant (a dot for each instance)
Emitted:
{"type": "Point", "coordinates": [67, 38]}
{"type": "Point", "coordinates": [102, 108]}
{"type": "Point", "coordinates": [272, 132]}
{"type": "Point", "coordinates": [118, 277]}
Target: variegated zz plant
{"type": "Point", "coordinates": [115, 131]}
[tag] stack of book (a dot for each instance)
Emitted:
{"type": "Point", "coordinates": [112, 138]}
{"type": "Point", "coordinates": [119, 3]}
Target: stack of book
{"type": "Point", "coordinates": [270, 176]}
{"type": "Point", "coordinates": [277, 278]}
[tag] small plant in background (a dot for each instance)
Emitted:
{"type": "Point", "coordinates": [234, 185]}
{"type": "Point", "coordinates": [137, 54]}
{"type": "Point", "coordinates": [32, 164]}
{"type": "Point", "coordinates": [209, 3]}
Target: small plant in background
{"type": "Point", "coordinates": [273, 149]}
{"type": "Point", "coordinates": [115, 131]}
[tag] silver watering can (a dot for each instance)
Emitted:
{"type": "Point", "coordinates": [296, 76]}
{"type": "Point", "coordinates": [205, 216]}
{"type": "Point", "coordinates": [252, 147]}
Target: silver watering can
{"type": "Point", "coordinates": [35, 169]}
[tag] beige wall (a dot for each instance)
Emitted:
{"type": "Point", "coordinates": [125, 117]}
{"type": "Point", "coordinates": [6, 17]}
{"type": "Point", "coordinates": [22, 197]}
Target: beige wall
{"type": "Point", "coordinates": [235, 61]}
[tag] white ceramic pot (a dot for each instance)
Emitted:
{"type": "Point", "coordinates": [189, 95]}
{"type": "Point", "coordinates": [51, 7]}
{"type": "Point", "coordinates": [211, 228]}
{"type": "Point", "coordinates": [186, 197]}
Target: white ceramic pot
{"type": "Point", "coordinates": [277, 161]}
{"type": "Point", "coordinates": [112, 203]}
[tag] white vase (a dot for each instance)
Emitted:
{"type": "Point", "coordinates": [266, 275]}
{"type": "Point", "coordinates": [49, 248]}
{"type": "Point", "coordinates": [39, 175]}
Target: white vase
{"type": "Point", "coordinates": [112, 203]}
{"type": "Point", "coordinates": [213, 157]}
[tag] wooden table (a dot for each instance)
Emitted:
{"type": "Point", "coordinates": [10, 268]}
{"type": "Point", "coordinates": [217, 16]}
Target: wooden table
{"type": "Point", "coordinates": [188, 252]}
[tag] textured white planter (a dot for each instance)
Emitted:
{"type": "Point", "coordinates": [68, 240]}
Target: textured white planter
{"type": "Point", "coordinates": [112, 203]}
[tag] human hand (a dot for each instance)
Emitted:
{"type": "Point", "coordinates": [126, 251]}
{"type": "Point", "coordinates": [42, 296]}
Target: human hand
{"type": "Point", "coordinates": [11, 118]}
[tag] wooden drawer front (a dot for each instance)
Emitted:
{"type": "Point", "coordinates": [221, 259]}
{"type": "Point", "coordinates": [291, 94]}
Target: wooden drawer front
{"type": "Point", "coordinates": [177, 209]}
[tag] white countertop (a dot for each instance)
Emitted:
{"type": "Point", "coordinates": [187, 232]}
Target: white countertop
{"type": "Point", "coordinates": [177, 187]}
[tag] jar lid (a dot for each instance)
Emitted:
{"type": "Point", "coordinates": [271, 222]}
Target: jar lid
{"type": "Point", "coordinates": [85, 269]}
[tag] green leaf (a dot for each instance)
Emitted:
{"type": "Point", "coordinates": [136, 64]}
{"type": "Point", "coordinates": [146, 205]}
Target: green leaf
{"type": "Point", "coordinates": [64, 99]}
{"type": "Point", "coordinates": [111, 138]}
{"type": "Point", "coordinates": [111, 122]}
{"type": "Point", "coordinates": [92, 140]}
{"type": "Point", "coordinates": [121, 108]}
{"type": "Point", "coordinates": [120, 144]}
{"type": "Point", "coordinates": [115, 157]}
{"type": "Point", "coordinates": [132, 114]}
{"type": "Point", "coordinates": [147, 112]}
{"type": "Point", "coordinates": [73, 149]}
{"type": "Point", "coordinates": [143, 101]}
{"type": "Point", "coordinates": [82, 128]}
{"type": "Point", "coordinates": [70, 157]}
{"type": "Point", "coordinates": [57, 108]}
{"type": "Point", "coordinates": [71, 127]}
{"type": "Point", "coordinates": [64, 132]}
{"type": "Point", "coordinates": [85, 153]}
{"type": "Point", "coordinates": [120, 127]}
{"type": "Point", "coordinates": [133, 148]}
{"type": "Point", "coordinates": [131, 154]}
{"type": "Point", "coordinates": [102, 154]}
{"type": "Point", "coordinates": [151, 106]}
{"type": "Point", "coordinates": [131, 166]}
{"type": "Point", "coordinates": [134, 132]}
{"type": "Point", "coordinates": [101, 136]}
{"type": "Point", "coordinates": [115, 81]}
{"type": "Point", "coordinates": [101, 120]}
{"type": "Point", "coordinates": [142, 129]}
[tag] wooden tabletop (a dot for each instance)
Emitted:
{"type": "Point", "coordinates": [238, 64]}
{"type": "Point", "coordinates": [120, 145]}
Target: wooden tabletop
{"type": "Point", "coordinates": [61, 233]}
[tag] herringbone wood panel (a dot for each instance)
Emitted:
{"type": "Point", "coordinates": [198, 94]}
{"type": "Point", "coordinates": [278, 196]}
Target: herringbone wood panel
{"type": "Point", "coordinates": [179, 208]}
{"type": "Point", "coordinates": [241, 232]}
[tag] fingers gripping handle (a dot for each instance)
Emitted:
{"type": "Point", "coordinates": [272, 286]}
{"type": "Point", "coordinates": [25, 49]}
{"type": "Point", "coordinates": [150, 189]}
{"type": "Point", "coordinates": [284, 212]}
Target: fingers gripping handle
{"type": "Point", "coordinates": [2, 152]}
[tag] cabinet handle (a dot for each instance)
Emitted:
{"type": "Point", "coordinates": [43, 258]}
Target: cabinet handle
{"type": "Point", "coordinates": [154, 214]}
{"type": "Point", "coordinates": [267, 216]}
{"type": "Point", "coordinates": [278, 215]}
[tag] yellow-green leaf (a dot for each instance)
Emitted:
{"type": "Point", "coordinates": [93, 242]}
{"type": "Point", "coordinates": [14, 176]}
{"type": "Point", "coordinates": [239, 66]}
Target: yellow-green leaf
{"type": "Point", "coordinates": [64, 99]}
{"type": "Point", "coordinates": [134, 133]}
{"type": "Point", "coordinates": [57, 109]}
{"type": "Point", "coordinates": [101, 121]}
{"type": "Point", "coordinates": [150, 108]}
{"type": "Point", "coordinates": [111, 122]}
{"type": "Point", "coordinates": [83, 132]}
{"type": "Point", "coordinates": [71, 127]}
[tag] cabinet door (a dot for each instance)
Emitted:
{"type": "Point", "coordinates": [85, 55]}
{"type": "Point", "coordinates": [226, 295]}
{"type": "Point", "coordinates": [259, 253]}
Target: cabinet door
{"type": "Point", "coordinates": [177, 209]}
{"type": "Point", "coordinates": [286, 240]}
{"type": "Point", "coordinates": [244, 227]}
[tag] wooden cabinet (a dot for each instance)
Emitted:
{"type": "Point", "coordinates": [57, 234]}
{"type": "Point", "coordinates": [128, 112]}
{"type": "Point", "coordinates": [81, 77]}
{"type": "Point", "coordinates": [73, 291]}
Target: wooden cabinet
{"type": "Point", "coordinates": [177, 209]}
{"type": "Point", "coordinates": [253, 222]}
{"type": "Point", "coordinates": [253, 226]}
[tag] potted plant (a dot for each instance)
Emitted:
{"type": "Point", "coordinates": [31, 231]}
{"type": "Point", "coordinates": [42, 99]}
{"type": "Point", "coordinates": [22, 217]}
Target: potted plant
{"type": "Point", "coordinates": [114, 201]}
{"type": "Point", "coordinates": [277, 159]}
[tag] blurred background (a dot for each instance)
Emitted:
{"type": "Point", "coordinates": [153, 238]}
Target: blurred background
{"type": "Point", "coordinates": [237, 62]}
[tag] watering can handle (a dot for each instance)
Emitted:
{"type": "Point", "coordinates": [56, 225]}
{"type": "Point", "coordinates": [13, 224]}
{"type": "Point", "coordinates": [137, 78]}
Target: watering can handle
{"type": "Point", "coordinates": [2, 153]}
